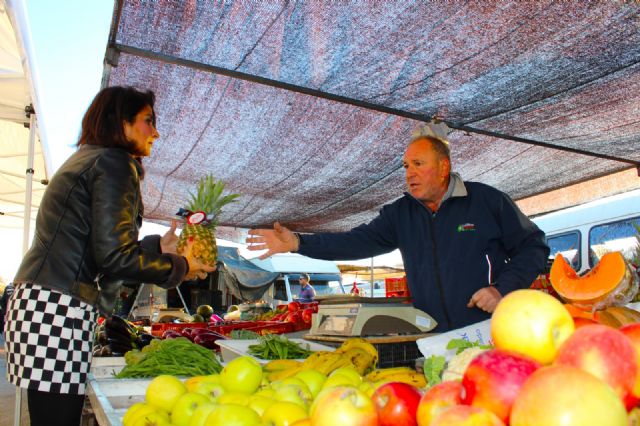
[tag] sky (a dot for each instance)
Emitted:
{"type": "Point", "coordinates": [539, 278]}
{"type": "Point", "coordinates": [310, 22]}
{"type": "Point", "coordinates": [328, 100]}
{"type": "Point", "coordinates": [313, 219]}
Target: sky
{"type": "Point", "coordinates": [68, 40]}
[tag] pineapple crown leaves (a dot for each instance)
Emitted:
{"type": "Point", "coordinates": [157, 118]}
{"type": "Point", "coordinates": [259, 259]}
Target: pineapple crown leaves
{"type": "Point", "coordinates": [208, 198]}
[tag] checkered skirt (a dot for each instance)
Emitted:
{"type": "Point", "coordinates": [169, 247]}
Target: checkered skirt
{"type": "Point", "coordinates": [48, 337]}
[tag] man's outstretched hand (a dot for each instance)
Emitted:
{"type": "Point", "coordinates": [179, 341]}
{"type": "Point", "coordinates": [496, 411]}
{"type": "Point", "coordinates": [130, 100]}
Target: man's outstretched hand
{"type": "Point", "coordinates": [276, 240]}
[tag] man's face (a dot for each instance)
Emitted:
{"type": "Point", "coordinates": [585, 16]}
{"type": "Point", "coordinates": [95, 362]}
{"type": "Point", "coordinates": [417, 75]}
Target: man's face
{"type": "Point", "coordinates": [427, 175]}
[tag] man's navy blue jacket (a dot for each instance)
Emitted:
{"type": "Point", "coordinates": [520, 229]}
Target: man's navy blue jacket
{"type": "Point", "coordinates": [478, 236]}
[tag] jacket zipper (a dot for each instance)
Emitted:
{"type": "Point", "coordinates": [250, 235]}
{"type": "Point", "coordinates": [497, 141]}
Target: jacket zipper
{"type": "Point", "coordinates": [437, 268]}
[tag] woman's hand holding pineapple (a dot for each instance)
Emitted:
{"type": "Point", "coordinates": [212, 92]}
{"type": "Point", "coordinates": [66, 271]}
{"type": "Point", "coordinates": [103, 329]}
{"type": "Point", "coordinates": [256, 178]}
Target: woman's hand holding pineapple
{"type": "Point", "coordinates": [169, 240]}
{"type": "Point", "coordinates": [197, 269]}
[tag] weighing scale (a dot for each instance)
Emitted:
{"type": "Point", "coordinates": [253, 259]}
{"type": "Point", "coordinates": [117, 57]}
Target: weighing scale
{"type": "Point", "coordinates": [349, 315]}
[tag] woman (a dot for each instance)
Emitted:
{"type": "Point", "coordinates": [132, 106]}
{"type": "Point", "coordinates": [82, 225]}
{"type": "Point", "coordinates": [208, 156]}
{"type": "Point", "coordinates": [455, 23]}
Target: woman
{"type": "Point", "coordinates": [85, 246]}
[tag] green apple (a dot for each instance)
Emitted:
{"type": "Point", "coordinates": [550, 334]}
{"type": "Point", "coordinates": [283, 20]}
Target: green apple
{"type": "Point", "coordinates": [232, 415]}
{"type": "Point", "coordinates": [295, 394]}
{"type": "Point", "coordinates": [349, 372]}
{"type": "Point", "coordinates": [164, 391]}
{"type": "Point", "coordinates": [339, 380]}
{"type": "Point", "coordinates": [284, 414]}
{"type": "Point", "coordinates": [200, 415]}
{"type": "Point", "coordinates": [260, 403]}
{"type": "Point", "coordinates": [266, 392]}
{"type": "Point", "coordinates": [234, 398]}
{"type": "Point", "coordinates": [212, 390]}
{"type": "Point", "coordinates": [243, 374]}
{"type": "Point", "coordinates": [184, 408]}
{"type": "Point", "coordinates": [313, 379]}
{"type": "Point", "coordinates": [157, 418]}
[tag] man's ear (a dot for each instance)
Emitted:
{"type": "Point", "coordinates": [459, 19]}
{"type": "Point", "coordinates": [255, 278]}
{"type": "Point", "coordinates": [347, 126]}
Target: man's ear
{"type": "Point", "coordinates": [445, 167]}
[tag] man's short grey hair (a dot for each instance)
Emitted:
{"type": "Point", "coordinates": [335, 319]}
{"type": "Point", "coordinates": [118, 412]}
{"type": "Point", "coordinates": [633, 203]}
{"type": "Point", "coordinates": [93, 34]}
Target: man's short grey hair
{"type": "Point", "coordinates": [436, 134]}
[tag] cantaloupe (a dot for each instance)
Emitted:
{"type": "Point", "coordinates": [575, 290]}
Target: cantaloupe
{"type": "Point", "coordinates": [609, 283]}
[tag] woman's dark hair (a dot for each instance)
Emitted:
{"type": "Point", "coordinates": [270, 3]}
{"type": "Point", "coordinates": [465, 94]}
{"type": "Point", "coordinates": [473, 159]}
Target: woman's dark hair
{"type": "Point", "coordinates": [102, 124]}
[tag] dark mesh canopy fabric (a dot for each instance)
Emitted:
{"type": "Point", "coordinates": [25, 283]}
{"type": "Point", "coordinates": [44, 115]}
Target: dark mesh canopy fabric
{"type": "Point", "coordinates": [305, 108]}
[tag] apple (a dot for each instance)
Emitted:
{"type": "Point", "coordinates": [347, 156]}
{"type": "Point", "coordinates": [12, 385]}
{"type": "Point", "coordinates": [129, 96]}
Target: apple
{"type": "Point", "coordinates": [232, 415]}
{"type": "Point", "coordinates": [397, 404]}
{"type": "Point", "coordinates": [234, 398]}
{"type": "Point", "coordinates": [561, 395]}
{"type": "Point", "coordinates": [136, 411]}
{"type": "Point", "coordinates": [343, 406]}
{"type": "Point", "coordinates": [493, 379]}
{"type": "Point", "coordinates": [466, 415]}
{"type": "Point", "coordinates": [186, 405]}
{"type": "Point", "coordinates": [210, 389]}
{"type": "Point", "coordinates": [156, 418]}
{"type": "Point", "coordinates": [337, 381]}
{"type": "Point", "coordinates": [632, 331]}
{"type": "Point", "coordinates": [531, 322]}
{"type": "Point", "coordinates": [295, 394]}
{"type": "Point", "coordinates": [436, 399]}
{"type": "Point", "coordinates": [349, 372]}
{"type": "Point", "coordinates": [291, 381]}
{"type": "Point", "coordinates": [242, 374]}
{"type": "Point", "coordinates": [313, 379]}
{"type": "Point", "coordinates": [164, 391]}
{"type": "Point", "coordinates": [260, 403]}
{"type": "Point", "coordinates": [283, 413]}
{"type": "Point", "coordinates": [608, 354]}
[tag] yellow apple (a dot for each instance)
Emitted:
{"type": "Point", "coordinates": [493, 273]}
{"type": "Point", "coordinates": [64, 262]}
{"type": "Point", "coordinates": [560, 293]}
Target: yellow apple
{"type": "Point", "coordinates": [164, 391]}
{"type": "Point", "coordinates": [349, 372]}
{"type": "Point", "coordinates": [234, 398]}
{"type": "Point", "coordinates": [186, 405]}
{"type": "Point", "coordinates": [232, 415]}
{"type": "Point", "coordinates": [313, 379]}
{"type": "Point", "coordinates": [260, 403]}
{"type": "Point", "coordinates": [343, 406]}
{"type": "Point", "coordinates": [561, 395]}
{"type": "Point", "coordinates": [532, 323]}
{"type": "Point", "coordinates": [200, 415]}
{"type": "Point", "coordinates": [284, 413]}
{"type": "Point", "coordinates": [243, 374]}
{"type": "Point", "coordinates": [294, 393]}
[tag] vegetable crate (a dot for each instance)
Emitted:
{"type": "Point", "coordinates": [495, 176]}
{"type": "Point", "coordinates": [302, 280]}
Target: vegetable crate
{"type": "Point", "coordinates": [396, 287]}
{"type": "Point", "coordinates": [157, 329]}
{"type": "Point", "coordinates": [273, 327]}
{"type": "Point", "coordinates": [226, 329]}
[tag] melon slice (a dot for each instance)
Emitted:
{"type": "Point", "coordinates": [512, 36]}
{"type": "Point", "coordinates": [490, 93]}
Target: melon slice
{"type": "Point", "coordinates": [609, 283]}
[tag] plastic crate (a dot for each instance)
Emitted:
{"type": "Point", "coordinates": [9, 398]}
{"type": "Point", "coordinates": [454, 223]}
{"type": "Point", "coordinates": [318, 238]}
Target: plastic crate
{"type": "Point", "coordinates": [226, 329]}
{"type": "Point", "coordinates": [396, 287]}
{"type": "Point", "coordinates": [157, 329]}
{"type": "Point", "coordinates": [273, 327]}
{"type": "Point", "coordinates": [397, 354]}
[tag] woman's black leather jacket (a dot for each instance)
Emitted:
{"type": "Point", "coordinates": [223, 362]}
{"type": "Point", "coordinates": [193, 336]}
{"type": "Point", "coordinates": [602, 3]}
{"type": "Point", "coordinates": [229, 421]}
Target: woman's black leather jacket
{"type": "Point", "coordinates": [86, 237]}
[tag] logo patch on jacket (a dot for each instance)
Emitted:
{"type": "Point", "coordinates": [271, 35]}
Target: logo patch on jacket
{"type": "Point", "coordinates": [466, 227]}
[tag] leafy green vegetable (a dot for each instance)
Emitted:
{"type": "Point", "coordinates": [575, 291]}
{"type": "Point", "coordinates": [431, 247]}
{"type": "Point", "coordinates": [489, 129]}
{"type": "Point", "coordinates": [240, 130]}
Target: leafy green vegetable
{"type": "Point", "coordinates": [177, 357]}
{"type": "Point", "coordinates": [433, 368]}
{"type": "Point", "coordinates": [275, 346]}
{"type": "Point", "coordinates": [461, 344]}
{"type": "Point", "coordinates": [244, 335]}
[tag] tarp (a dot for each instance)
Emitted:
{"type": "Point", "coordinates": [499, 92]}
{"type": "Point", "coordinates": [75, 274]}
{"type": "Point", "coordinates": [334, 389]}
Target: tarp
{"type": "Point", "coordinates": [14, 136]}
{"type": "Point", "coordinates": [242, 278]}
{"type": "Point", "coordinates": [305, 108]}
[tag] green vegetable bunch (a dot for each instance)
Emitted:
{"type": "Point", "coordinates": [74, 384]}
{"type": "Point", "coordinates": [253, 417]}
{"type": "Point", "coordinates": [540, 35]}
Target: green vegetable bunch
{"type": "Point", "coordinates": [275, 346]}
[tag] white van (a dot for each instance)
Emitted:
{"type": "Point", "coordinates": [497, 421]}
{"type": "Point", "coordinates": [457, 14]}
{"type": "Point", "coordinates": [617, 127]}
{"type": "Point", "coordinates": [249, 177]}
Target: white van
{"type": "Point", "coordinates": [584, 233]}
{"type": "Point", "coordinates": [324, 275]}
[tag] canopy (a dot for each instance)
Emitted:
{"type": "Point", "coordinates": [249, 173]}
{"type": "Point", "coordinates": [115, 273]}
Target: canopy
{"type": "Point", "coordinates": [305, 108]}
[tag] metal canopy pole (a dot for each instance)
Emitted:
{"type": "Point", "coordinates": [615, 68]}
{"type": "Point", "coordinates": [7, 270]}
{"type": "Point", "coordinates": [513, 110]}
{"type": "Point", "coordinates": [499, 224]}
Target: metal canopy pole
{"type": "Point", "coordinates": [31, 114]}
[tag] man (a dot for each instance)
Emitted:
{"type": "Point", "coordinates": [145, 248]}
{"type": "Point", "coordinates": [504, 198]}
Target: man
{"type": "Point", "coordinates": [464, 244]}
{"type": "Point", "coordinates": [307, 293]}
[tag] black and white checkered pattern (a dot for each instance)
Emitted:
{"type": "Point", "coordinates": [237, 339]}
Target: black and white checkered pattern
{"type": "Point", "coordinates": [49, 337]}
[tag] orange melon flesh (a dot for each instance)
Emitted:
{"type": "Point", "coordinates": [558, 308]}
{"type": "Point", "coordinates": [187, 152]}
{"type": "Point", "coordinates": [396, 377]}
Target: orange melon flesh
{"type": "Point", "coordinates": [603, 279]}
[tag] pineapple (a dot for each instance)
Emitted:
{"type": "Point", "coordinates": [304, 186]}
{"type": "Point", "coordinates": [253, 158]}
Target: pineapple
{"type": "Point", "coordinates": [204, 208]}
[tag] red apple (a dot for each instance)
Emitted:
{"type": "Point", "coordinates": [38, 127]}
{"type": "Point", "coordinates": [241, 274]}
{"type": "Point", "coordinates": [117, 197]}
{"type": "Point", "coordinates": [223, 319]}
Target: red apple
{"type": "Point", "coordinates": [606, 353]}
{"type": "Point", "coordinates": [494, 378]}
{"type": "Point", "coordinates": [562, 395]}
{"type": "Point", "coordinates": [466, 415]}
{"type": "Point", "coordinates": [343, 406]}
{"type": "Point", "coordinates": [436, 399]}
{"type": "Point", "coordinates": [632, 331]}
{"type": "Point", "coordinates": [397, 404]}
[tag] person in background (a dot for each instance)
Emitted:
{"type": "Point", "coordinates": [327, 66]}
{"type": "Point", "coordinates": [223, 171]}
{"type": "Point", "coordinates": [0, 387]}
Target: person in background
{"type": "Point", "coordinates": [464, 244]}
{"type": "Point", "coordinates": [307, 292]}
{"type": "Point", "coordinates": [85, 246]}
{"type": "Point", "coordinates": [4, 300]}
